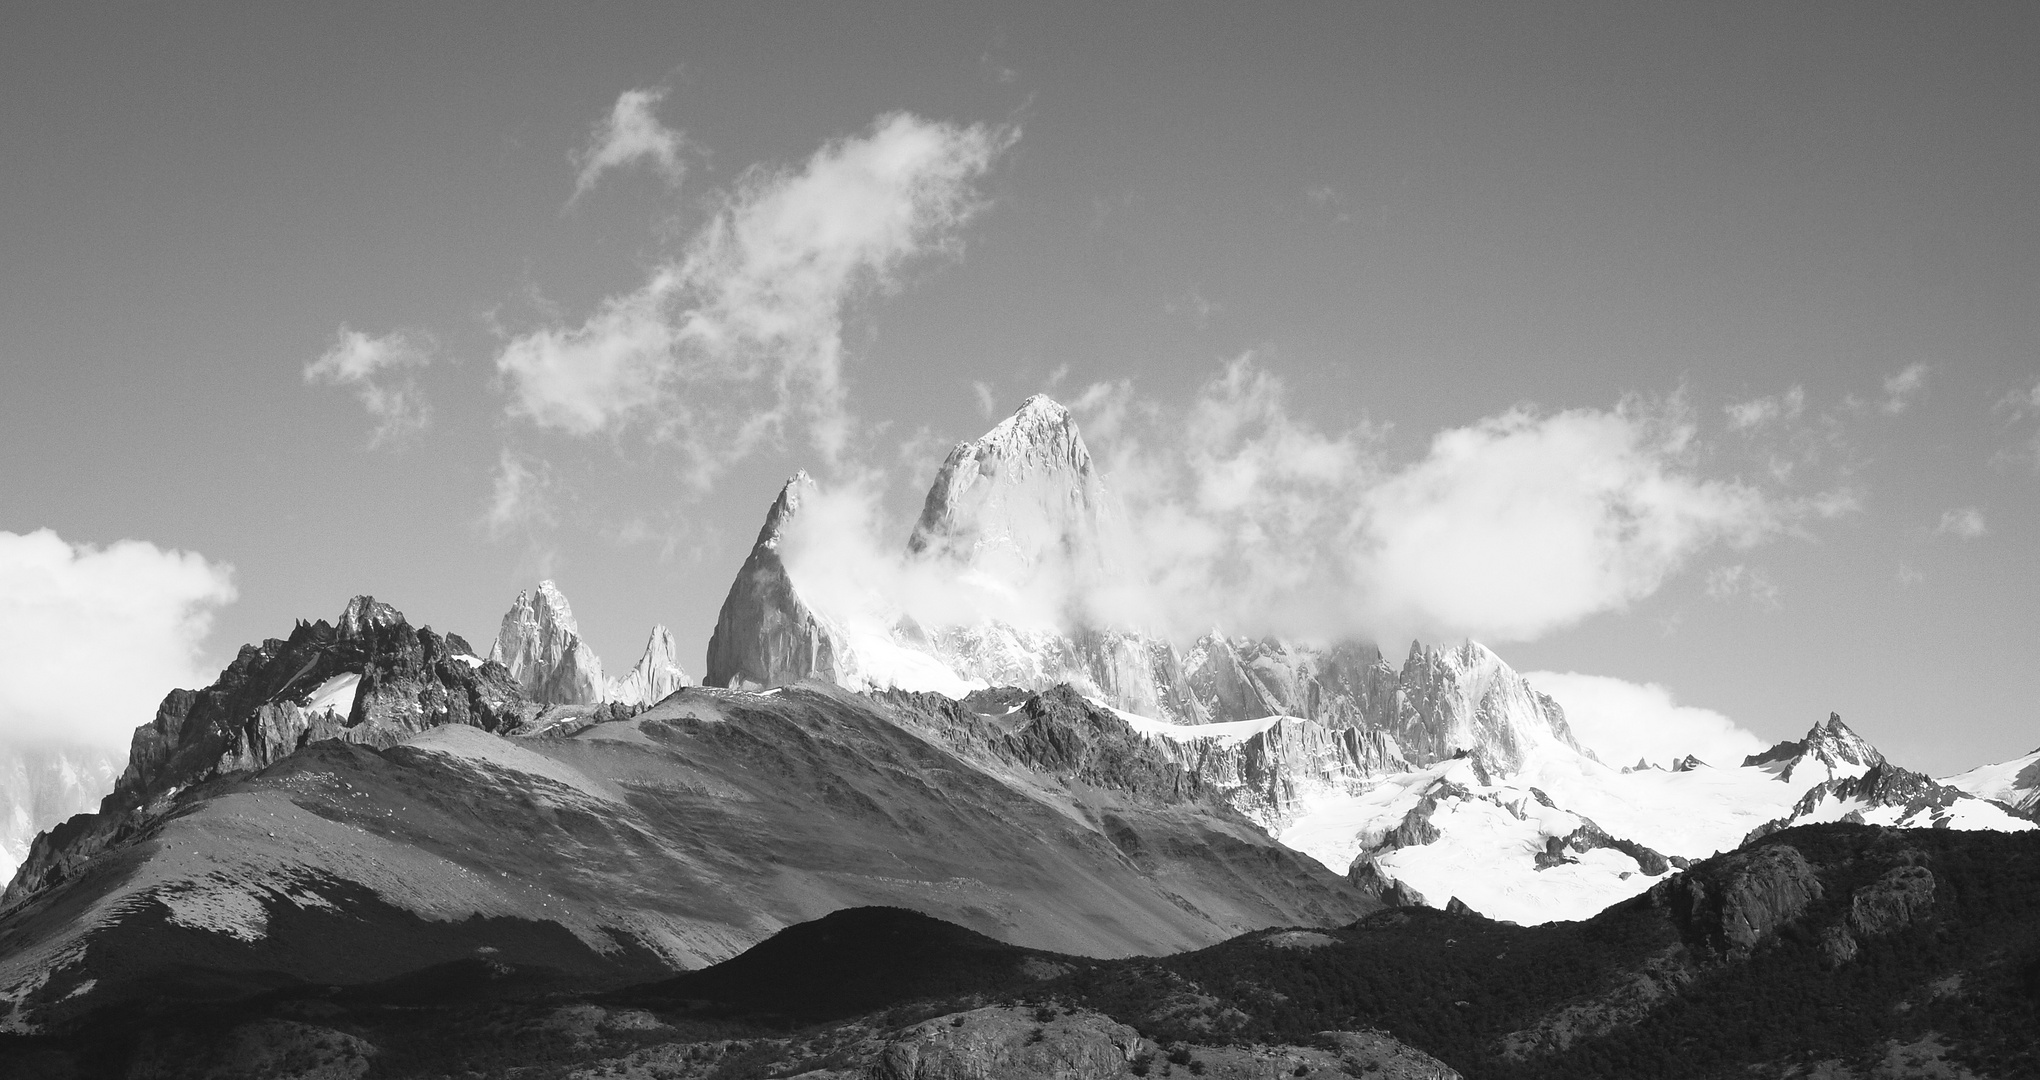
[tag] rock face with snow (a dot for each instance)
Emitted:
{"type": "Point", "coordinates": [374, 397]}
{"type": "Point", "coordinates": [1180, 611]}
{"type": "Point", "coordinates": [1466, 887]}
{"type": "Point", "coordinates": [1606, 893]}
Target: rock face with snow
{"type": "Point", "coordinates": [1022, 500]}
{"type": "Point", "coordinates": [541, 646]}
{"type": "Point", "coordinates": [1832, 747]}
{"type": "Point", "coordinates": [2014, 783]}
{"type": "Point", "coordinates": [657, 673]}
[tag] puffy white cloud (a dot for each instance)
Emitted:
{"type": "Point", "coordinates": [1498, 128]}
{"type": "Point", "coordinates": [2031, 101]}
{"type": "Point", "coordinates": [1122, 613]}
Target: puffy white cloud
{"type": "Point", "coordinates": [1963, 523]}
{"type": "Point", "coordinates": [91, 638]}
{"type": "Point", "coordinates": [631, 133]}
{"type": "Point", "coordinates": [1623, 722]}
{"type": "Point", "coordinates": [1523, 523]}
{"type": "Point", "coordinates": [381, 372]}
{"type": "Point", "coordinates": [1904, 388]}
{"type": "Point", "coordinates": [739, 337]}
{"type": "Point", "coordinates": [1242, 515]}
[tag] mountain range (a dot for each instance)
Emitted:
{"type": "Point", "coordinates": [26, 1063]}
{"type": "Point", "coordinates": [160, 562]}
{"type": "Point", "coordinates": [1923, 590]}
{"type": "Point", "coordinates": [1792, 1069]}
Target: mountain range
{"type": "Point", "coordinates": [364, 802]}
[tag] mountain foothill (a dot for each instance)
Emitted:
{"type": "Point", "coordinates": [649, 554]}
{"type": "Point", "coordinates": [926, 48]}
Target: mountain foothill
{"type": "Point", "coordinates": [871, 842]}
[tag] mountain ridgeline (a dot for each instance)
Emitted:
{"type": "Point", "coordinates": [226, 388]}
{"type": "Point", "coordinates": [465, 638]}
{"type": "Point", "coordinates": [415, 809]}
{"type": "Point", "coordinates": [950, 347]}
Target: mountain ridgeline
{"type": "Point", "coordinates": [370, 812]}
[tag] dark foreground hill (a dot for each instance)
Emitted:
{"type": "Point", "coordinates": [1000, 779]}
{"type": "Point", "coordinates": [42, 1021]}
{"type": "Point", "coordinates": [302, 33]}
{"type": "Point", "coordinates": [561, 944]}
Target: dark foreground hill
{"type": "Point", "coordinates": [1832, 950]}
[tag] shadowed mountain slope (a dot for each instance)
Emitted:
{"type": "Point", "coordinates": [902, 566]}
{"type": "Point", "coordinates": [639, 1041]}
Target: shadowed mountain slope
{"type": "Point", "coordinates": [619, 847]}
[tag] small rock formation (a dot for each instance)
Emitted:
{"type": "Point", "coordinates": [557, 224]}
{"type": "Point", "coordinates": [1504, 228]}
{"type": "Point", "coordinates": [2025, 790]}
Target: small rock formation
{"type": "Point", "coordinates": [1688, 764]}
{"type": "Point", "coordinates": [657, 673]}
{"type": "Point", "coordinates": [541, 647]}
{"type": "Point", "coordinates": [1590, 836]}
{"type": "Point", "coordinates": [1369, 879]}
{"type": "Point", "coordinates": [1892, 902]}
{"type": "Point", "coordinates": [1733, 904]}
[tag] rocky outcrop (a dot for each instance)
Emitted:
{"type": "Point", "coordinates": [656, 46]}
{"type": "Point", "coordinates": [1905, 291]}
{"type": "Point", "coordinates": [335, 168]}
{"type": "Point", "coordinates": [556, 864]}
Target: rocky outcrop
{"type": "Point", "coordinates": [540, 645]}
{"type": "Point", "coordinates": [269, 703]}
{"type": "Point", "coordinates": [1892, 902]}
{"type": "Point", "coordinates": [766, 635]}
{"type": "Point", "coordinates": [1004, 1041]}
{"type": "Point", "coordinates": [657, 673]}
{"type": "Point", "coordinates": [1730, 905]}
{"type": "Point", "coordinates": [1589, 837]}
{"type": "Point", "coordinates": [1368, 878]}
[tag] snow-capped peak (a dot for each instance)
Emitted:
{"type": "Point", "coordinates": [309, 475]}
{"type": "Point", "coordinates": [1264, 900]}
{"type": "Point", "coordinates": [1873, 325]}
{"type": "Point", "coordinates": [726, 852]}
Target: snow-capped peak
{"type": "Point", "coordinates": [1021, 497]}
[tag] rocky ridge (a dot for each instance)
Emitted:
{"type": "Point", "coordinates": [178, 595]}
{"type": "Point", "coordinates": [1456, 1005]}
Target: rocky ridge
{"type": "Point", "coordinates": [271, 701]}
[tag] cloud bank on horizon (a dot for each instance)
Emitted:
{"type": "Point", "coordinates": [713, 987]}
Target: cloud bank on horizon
{"type": "Point", "coordinates": [91, 638]}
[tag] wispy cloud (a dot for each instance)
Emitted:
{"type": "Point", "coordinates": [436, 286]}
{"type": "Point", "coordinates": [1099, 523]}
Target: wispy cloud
{"type": "Point", "coordinates": [1964, 523]}
{"type": "Point", "coordinates": [1787, 407]}
{"type": "Point", "coordinates": [91, 637]}
{"type": "Point", "coordinates": [2021, 410]}
{"type": "Point", "coordinates": [381, 371]}
{"type": "Point", "coordinates": [1904, 388]}
{"type": "Point", "coordinates": [1739, 580]}
{"type": "Point", "coordinates": [631, 134]}
{"type": "Point", "coordinates": [740, 336]}
{"type": "Point", "coordinates": [987, 401]}
{"type": "Point", "coordinates": [518, 496]}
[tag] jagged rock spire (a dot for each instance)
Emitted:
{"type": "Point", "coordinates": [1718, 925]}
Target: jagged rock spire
{"type": "Point", "coordinates": [541, 646]}
{"type": "Point", "coordinates": [765, 634]}
{"type": "Point", "coordinates": [657, 674]}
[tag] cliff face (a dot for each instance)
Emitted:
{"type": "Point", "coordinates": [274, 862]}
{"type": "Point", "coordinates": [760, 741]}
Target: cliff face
{"type": "Point", "coordinates": [766, 635]}
{"type": "Point", "coordinates": [540, 645]}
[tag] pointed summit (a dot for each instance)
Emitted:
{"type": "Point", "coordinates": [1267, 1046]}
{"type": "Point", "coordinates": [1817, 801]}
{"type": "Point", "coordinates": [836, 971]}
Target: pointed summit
{"type": "Point", "coordinates": [1830, 745]}
{"type": "Point", "coordinates": [657, 674]}
{"type": "Point", "coordinates": [1024, 495]}
{"type": "Point", "coordinates": [765, 634]}
{"type": "Point", "coordinates": [541, 646]}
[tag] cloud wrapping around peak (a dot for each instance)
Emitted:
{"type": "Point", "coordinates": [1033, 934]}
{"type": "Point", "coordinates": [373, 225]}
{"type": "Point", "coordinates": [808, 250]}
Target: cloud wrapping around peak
{"type": "Point", "coordinates": [92, 637]}
{"type": "Point", "coordinates": [630, 134]}
{"type": "Point", "coordinates": [749, 316]}
{"type": "Point", "coordinates": [381, 372]}
{"type": "Point", "coordinates": [1623, 722]}
{"type": "Point", "coordinates": [1505, 529]}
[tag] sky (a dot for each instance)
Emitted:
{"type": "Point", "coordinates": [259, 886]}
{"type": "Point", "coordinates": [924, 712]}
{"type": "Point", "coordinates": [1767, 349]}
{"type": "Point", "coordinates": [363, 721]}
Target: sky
{"type": "Point", "coordinates": [1688, 355]}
